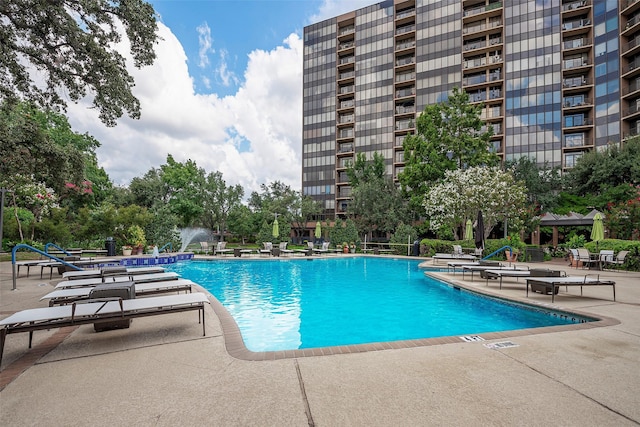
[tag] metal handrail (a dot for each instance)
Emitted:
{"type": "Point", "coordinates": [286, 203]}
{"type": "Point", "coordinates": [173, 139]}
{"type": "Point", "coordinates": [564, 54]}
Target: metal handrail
{"type": "Point", "coordinates": [168, 244]}
{"type": "Point", "coordinates": [46, 248]}
{"type": "Point", "coordinates": [31, 248]}
{"type": "Point", "coordinates": [495, 252]}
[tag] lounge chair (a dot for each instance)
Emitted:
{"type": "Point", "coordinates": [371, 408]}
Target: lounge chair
{"type": "Point", "coordinates": [140, 278]}
{"type": "Point", "coordinates": [555, 282]}
{"type": "Point", "coordinates": [204, 247]}
{"type": "Point", "coordinates": [70, 295]}
{"type": "Point", "coordinates": [308, 251]}
{"type": "Point", "coordinates": [482, 268]}
{"type": "Point", "coordinates": [221, 249]}
{"type": "Point", "coordinates": [324, 249]}
{"type": "Point", "coordinates": [284, 250]}
{"type": "Point", "coordinates": [517, 273]}
{"type": "Point", "coordinates": [111, 272]}
{"type": "Point", "coordinates": [98, 312]}
{"type": "Point", "coordinates": [266, 250]}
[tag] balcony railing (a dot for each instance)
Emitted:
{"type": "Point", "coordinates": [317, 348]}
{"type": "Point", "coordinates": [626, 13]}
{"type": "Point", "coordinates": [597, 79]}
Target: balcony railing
{"type": "Point", "coordinates": [631, 44]}
{"type": "Point", "coordinates": [347, 60]}
{"type": "Point", "coordinates": [627, 3]}
{"type": "Point", "coordinates": [400, 140]}
{"type": "Point", "coordinates": [345, 133]}
{"type": "Point", "coordinates": [574, 140]}
{"type": "Point", "coordinates": [633, 86]}
{"type": "Point", "coordinates": [347, 30]}
{"type": "Point", "coordinates": [346, 119]}
{"type": "Point", "coordinates": [474, 45]}
{"type": "Point", "coordinates": [345, 148]}
{"type": "Point", "coordinates": [576, 121]}
{"type": "Point", "coordinates": [405, 124]}
{"type": "Point", "coordinates": [347, 104]}
{"type": "Point", "coordinates": [405, 44]}
{"type": "Point", "coordinates": [574, 5]}
{"type": "Point", "coordinates": [404, 13]}
{"type": "Point", "coordinates": [346, 45]}
{"type": "Point", "coordinates": [406, 60]}
{"type": "Point", "coordinates": [404, 109]}
{"type": "Point", "coordinates": [405, 29]}
{"type": "Point", "coordinates": [482, 9]}
{"type": "Point", "coordinates": [576, 102]}
{"type": "Point", "coordinates": [633, 109]}
{"type": "Point", "coordinates": [575, 81]}
{"type": "Point", "coordinates": [575, 63]}
{"type": "Point", "coordinates": [346, 89]}
{"type": "Point", "coordinates": [346, 74]}
{"type": "Point", "coordinates": [401, 93]}
{"type": "Point", "coordinates": [576, 43]}
{"type": "Point", "coordinates": [478, 62]}
{"type": "Point", "coordinates": [579, 23]}
{"type": "Point", "coordinates": [478, 96]}
{"type": "Point", "coordinates": [403, 77]}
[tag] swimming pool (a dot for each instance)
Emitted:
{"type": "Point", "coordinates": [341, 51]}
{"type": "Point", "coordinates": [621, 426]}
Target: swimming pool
{"type": "Point", "coordinates": [310, 303]}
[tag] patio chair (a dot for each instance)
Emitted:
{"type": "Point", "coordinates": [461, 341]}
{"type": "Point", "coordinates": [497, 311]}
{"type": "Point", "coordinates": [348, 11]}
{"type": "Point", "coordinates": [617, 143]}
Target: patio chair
{"type": "Point", "coordinates": [268, 246]}
{"type": "Point", "coordinates": [324, 249]}
{"type": "Point", "coordinates": [618, 260]}
{"type": "Point", "coordinates": [221, 248]}
{"type": "Point", "coordinates": [586, 258]}
{"type": "Point", "coordinates": [204, 247]}
{"type": "Point", "coordinates": [284, 250]}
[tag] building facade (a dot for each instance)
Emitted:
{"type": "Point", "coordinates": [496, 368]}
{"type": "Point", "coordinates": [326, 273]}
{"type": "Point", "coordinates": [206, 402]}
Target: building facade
{"type": "Point", "coordinates": [556, 78]}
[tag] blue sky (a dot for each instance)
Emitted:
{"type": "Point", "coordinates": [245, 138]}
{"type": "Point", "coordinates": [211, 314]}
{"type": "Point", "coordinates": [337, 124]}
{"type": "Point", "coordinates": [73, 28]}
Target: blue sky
{"type": "Point", "coordinates": [232, 29]}
{"type": "Point", "coordinates": [225, 91]}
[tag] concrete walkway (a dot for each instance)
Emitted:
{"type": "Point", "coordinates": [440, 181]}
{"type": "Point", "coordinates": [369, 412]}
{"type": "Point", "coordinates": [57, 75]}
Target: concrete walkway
{"type": "Point", "coordinates": [161, 371]}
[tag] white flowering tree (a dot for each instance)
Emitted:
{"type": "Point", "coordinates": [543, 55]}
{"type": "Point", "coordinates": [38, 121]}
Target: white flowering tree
{"type": "Point", "coordinates": [464, 192]}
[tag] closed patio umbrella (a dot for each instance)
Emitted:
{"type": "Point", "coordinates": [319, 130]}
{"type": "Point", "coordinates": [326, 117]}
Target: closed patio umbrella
{"type": "Point", "coordinates": [468, 232]}
{"type": "Point", "coordinates": [276, 229]}
{"type": "Point", "coordinates": [480, 231]}
{"type": "Point", "coordinates": [597, 232]}
{"type": "Point", "coordinates": [318, 232]}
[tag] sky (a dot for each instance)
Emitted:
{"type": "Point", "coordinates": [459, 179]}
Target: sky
{"type": "Point", "coordinates": [225, 91]}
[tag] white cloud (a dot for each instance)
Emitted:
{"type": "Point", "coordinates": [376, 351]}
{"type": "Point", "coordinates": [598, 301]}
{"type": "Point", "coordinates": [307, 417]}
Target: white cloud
{"type": "Point", "coordinates": [205, 44]}
{"type": "Point", "coordinates": [227, 77]}
{"type": "Point", "coordinates": [265, 112]}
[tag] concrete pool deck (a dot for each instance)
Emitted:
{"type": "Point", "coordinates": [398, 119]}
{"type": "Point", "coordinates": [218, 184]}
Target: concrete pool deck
{"type": "Point", "coordinates": [162, 371]}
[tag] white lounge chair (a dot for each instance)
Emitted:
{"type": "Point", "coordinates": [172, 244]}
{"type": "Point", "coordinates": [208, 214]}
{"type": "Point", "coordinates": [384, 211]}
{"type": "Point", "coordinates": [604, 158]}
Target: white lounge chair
{"type": "Point", "coordinates": [69, 295]}
{"type": "Point", "coordinates": [99, 312]}
{"type": "Point", "coordinates": [324, 249]}
{"type": "Point", "coordinates": [284, 250]}
{"type": "Point", "coordinates": [140, 278]}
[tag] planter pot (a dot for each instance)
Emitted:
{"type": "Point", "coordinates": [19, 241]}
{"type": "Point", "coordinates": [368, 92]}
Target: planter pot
{"type": "Point", "coordinates": [353, 250]}
{"type": "Point", "coordinates": [345, 250]}
{"type": "Point", "coordinates": [126, 252]}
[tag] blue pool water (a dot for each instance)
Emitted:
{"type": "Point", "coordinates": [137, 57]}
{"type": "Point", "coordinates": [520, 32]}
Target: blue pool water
{"type": "Point", "coordinates": [308, 303]}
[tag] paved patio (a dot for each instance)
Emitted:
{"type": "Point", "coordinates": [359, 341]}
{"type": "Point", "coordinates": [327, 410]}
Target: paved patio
{"type": "Point", "coordinates": [162, 371]}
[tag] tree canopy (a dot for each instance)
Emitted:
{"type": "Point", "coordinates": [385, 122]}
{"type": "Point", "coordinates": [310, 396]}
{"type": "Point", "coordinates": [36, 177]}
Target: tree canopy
{"type": "Point", "coordinates": [463, 193]}
{"type": "Point", "coordinates": [71, 44]}
{"type": "Point", "coordinates": [449, 135]}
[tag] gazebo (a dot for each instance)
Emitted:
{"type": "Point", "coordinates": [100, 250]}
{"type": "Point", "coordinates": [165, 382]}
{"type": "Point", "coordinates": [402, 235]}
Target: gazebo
{"type": "Point", "coordinates": [554, 220]}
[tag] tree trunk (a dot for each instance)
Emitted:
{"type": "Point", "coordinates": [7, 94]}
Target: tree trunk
{"type": "Point", "coordinates": [15, 213]}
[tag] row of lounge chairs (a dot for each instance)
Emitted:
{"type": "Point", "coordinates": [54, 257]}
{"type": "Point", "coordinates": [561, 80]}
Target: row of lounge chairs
{"type": "Point", "coordinates": [100, 300]}
{"type": "Point", "coordinates": [545, 281]}
{"type": "Point", "coordinates": [268, 249]}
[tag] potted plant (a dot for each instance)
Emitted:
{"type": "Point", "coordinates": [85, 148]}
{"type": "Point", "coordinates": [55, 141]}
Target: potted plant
{"type": "Point", "coordinates": [345, 247]}
{"type": "Point", "coordinates": [352, 247]}
{"type": "Point", "coordinates": [137, 237]}
{"type": "Point", "coordinates": [126, 250]}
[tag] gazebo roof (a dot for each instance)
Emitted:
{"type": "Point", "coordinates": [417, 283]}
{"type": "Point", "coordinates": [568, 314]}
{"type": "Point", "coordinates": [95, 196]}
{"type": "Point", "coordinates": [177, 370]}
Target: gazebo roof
{"type": "Point", "coordinates": [573, 218]}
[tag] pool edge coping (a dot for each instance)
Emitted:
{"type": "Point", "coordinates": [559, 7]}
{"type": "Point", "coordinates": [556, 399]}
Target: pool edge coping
{"type": "Point", "coordinates": [235, 347]}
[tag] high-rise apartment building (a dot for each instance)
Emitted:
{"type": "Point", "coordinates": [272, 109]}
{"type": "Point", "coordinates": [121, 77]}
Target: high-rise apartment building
{"type": "Point", "coordinates": [556, 78]}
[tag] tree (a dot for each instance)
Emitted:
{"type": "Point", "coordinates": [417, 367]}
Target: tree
{"type": "Point", "coordinates": [240, 222]}
{"type": "Point", "coordinates": [377, 203]}
{"type": "Point", "coordinates": [275, 198]}
{"type": "Point", "coordinates": [218, 201]}
{"type": "Point", "coordinates": [463, 193]}
{"type": "Point", "coordinates": [448, 135]}
{"type": "Point", "coordinates": [303, 209]}
{"type": "Point", "coordinates": [605, 175]}
{"type": "Point", "coordinates": [72, 45]}
{"type": "Point", "coordinates": [183, 184]}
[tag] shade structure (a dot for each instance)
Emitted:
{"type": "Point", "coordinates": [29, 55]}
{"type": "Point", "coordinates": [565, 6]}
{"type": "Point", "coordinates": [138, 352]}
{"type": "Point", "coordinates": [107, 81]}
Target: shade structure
{"type": "Point", "coordinates": [468, 232]}
{"type": "Point", "coordinates": [597, 232]}
{"type": "Point", "coordinates": [276, 228]}
{"type": "Point", "coordinates": [318, 232]}
{"type": "Point", "coordinates": [480, 231]}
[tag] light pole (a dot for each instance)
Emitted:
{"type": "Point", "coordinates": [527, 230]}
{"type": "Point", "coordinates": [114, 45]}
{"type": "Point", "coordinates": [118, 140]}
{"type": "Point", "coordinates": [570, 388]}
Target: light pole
{"type": "Point", "coordinates": [2, 193]}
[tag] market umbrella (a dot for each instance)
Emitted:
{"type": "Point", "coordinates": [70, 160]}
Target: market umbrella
{"type": "Point", "coordinates": [480, 231]}
{"type": "Point", "coordinates": [468, 232]}
{"type": "Point", "coordinates": [597, 232]}
{"type": "Point", "coordinates": [276, 229]}
{"type": "Point", "coordinates": [318, 233]}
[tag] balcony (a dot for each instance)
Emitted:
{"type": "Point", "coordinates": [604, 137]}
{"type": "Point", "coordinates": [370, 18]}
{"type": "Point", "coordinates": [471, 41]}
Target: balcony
{"type": "Point", "coordinates": [576, 101]}
{"type": "Point", "coordinates": [631, 45]}
{"type": "Point", "coordinates": [569, 64]}
{"type": "Point", "coordinates": [405, 109]}
{"type": "Point", "coordinates": [345, 133]}
{"type": "Point", "coordinates": [475, 44]}
{"type": "Point", "coordinates": [348, 118]}
{"type": "Point", "coordinates": [575, 140]}
{"type": "Point", "coordinates": [347, 103]}
{"type": "Point", "coordinates": [346, 89]}
{"type": "Point", "coordinates": [405, 60]}
{"type": "Point", "coordinates": [576, 43]}
{"type": "Point", "coordinates": [481, 9]}
{"type": "Point", "coordinates": [405, 13]}
{"type": "Point", "coordinates": [346, 45]}
{"type": "Point", "coordinates": [346, 30]}
{"type": "Point", "coordinates": [476, 62]}
{"type": "Point", "coordinates": [632, 110]}
{"type": "Point", "coordinates": [345, 148]}
{"type": "Point", "coordinates": [405, 77]}
{"type": "Point", "coordinates": [401, 93]}
{"type": "Point", "coordinates": [405, 29]}
{"type": "Point", "coordinates": [347, 60]}
{"type": "Point", "coordinates": [573, 25]}
{"type": "Point", "coordinates": [404, 124]}
{"type": "Point", "coordinates": [346, 75]}
{"type": "Point", "coordinates": [405, 44]}
{"type": "Point", "coordinates": [577, 121]}
{"type": "Point", "coordinates": [574, 5]}
{"type": "Point", "coordinates": [477, 96]}
{"type": "Point", "coordinates": [577, 81]}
